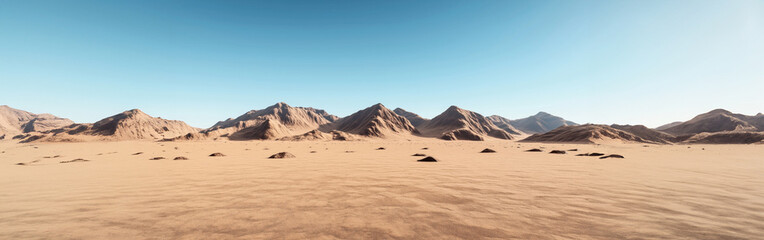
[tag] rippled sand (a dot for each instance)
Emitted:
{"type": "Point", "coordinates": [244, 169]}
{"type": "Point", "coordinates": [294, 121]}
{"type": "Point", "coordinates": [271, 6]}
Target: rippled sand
{"type": "Point", "coordinates": [656, 192]}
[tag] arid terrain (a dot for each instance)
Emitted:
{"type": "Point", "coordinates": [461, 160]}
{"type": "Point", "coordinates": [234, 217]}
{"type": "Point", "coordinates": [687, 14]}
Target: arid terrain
{"type": "Point", "coordinates": [352, 190]}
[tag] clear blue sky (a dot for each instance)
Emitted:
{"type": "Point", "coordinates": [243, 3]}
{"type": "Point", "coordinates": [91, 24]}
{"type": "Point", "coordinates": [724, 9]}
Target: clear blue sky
{"type": "Point", "coordinates": [635, 62]}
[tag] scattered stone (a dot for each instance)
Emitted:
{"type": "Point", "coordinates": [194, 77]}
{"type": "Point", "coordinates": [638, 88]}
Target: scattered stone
{"type": "Point", "coordinates": [21, 164]}
{"type": "Point", "coordinates": [582, 154]}
{"type": "Point", "coordinates": [75, 160]}
{"type": "Point", "coordinates": [612, 156]}
{"type": "Point", "coordinates": [557, 152]}
{"type": "Point", "coordinates": [313, 152]}
{"type": "Point", "coordinates": [427, 159]}
{"type": "Point", "coordinates": [488, 150]}
{"type": "Point", "coordinates": [180, 158]}
{"type": "Point", "coordinates": [282, 155]}
{"type": "Point", "coordinates": [534, 150]}
{"type": "Point", "coordinates": [157, 158]}
{"type": "Point", "coordinates": [573, 150]}
{"type": "Point", "coordinates": [424, 148]}
{"type": "Point", "coordinates": [138, 153]}
{"type": "Point", "coordinates": [595, 154]}
{"type": "Point", "coordinates": [380, 148]}
{"type": "Point", "coordinates": [176, 148]}
{"type": "Point", "coordinates": [418, 154]}
{"type": "Point", "coordinates": [217, 154]}
{"type": "Point", "coordinates": [349, 151]}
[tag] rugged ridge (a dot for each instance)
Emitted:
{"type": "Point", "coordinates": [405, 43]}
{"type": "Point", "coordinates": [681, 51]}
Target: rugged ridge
{"type": "Point", "coordinates": [718, 120]}
{"type": "Point", "coordinates": [414, 118]}
{"type": "Point", "coordinates": [646, 133]}
{"type": "Point", "coordinates": [276, 121]}
{"type": "Point", "coordinates": [504, 123]}
{"type": "Point", "coordinates": [129, 125]}
{"type": "Point", "coordinates": [589, 133]}
{"type": "Point", "coordinates": [14, 121]}
{"type": "Point", "coordinates": [460, 124]}
{"type": "Point", "coordinates": [540, 123]}
{"type": "Point", "coordinates": [374, 121]}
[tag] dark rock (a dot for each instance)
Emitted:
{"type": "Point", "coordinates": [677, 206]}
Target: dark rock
{"type": "Point", "coordinates": [313, 152]}
{"type": "Point", "coordinates": [380, 148]}
{"type": "Point", "coordinates": [573, 150]}
{"type": "Point", "coordinates": [75, 160]}
{"type": "Point", "coordinates": [217, 154]}
{"type": "Point", "coordinates": [282, 155]}
{"type": "Point", "coordinates": [557, 152]}
{"type": "Point", "coordinates": [424, 148]}
{"type": "Point", "coordinates": [418, 154]}
{"type": "Point", "coordinates": [582, 154]}
{"type": "Point", "coordinates": [595, 154]}
{"type": "Point", "coordinates": [534, 150]}
{"type": "Point", "coordinates": [180, 158]}
{"type": "Point", "coordinates": [156, 158]}
{"type": "Point", "coordinates": [427, 159]}
{"type": "Point", "coordinates": [488, 150]}
{"type": "Point", "coordinates": [612, 156]}
{"type": "Point", "coordinates": [138, 153]}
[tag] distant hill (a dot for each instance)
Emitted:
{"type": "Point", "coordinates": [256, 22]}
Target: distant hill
{"type": "Point", "coordinates": [589, 133]}
{"type": "Point", "coordinates": [540, 123]}
{"type": "Point", "coordinates": [460, 124]}
{"type": "Point", "coordinates": [718, 120]}
{"type": "Point", "coordinates": [276, 121]}
{"type": "Point", "coordinates": [14, 121]}
{"type": "Point", "coordinates": [374, 121]}
{"type": "Point", "coordinates": [129, 125]}
{"type": "Point", "coordinates": [415, 119]}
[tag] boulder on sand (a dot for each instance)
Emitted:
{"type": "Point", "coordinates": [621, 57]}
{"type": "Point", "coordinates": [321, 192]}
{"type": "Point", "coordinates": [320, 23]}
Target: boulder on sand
{"type": "Point", "coordinates": [488, 150]}
{"type": "Point", "coordinates": [282, 155]}
{"type": "Point", "coordinates": [217, 154]}
{"type": "Point", "coordinates": [557, 152]}
{"type": "Point", "coordinates": [427, 159]}
{"type": "Point", "coordinates": [534, 150]}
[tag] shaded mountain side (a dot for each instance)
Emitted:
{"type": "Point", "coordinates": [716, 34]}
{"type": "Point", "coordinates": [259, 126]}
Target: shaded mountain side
{"type": "Point", "coordinates": [668, 125]}
{"type": "Point", "coordinates": [505, 124]}
{"type": "Point", "coordinates": [14, 121]}
{"type": "Point", "coordinates": [129, 125]}
{"type": "Point", "coordinates": [718, 120]}
{"type": "Point", "coordinates": [588, 133]}
{"type": "Point", "coordinates": [540, 123]}
{"type": "Point", "coordinates": [276, 121]}
{"type": "Point", "coordinates": [374, 121]}
{"type": "Point", "coordinates": [646, 133]}
{"type": "Point", "coordinates": [732, 137]}
{"type": "Point", "coordinates": [460, 124]}
{"type": "Point", "coordinates": [413, 118]}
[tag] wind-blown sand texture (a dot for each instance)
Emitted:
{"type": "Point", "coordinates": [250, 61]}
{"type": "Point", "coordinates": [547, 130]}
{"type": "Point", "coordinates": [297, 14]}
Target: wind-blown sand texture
{"type": "Point", "coordinates": [655, 192]}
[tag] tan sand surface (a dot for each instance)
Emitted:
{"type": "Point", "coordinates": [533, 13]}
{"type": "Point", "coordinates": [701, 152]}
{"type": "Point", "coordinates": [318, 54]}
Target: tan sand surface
{"type": "Point", "coordinates": [656, 192]}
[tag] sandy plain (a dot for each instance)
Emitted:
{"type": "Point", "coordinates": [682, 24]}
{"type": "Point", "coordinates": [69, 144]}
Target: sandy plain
{"type": "Point", "coordinates": [656, 192]}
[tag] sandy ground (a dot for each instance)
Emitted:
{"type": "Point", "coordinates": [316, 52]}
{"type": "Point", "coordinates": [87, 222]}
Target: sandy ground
{"type": "Point", "coordinates": [656, 192]}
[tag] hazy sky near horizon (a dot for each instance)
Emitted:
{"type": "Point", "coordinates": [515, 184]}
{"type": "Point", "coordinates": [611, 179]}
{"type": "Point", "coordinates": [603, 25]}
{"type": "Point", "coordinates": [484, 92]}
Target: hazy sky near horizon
{"type": "Point", "coordinates": [627, 62]}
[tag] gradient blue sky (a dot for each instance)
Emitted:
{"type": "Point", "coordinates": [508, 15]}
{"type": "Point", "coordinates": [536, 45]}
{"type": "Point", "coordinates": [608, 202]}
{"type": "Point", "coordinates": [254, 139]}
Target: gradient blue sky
{"type": "Point", "coordinates": [628, 62]}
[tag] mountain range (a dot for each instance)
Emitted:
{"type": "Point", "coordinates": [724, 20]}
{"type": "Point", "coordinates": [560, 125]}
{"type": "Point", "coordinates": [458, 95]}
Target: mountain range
{"type": "Point", "coordinates": [283, 122]}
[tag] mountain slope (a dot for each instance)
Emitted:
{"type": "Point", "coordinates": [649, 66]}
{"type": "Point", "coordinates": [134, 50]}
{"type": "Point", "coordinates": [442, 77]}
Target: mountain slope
{"type": "Point", "coordinates": [718, 120]}
{"type": "Point", "coordinates": [415, 119]}
{"type": "Point", "coordinates": [540, 123]}
{"type": "Point", "coordinates": [588, 133]}
{"type": "Point", "coordinates": [129, 125]}
{"type": "Point", "coordinates": [375, 121]}
{"type": "Point", "coordinates": [277, 121]}
{"type": "Point", "coordinates": [15, 121]}
{"type": "Point", "coordinates": [646, 133]}
{"type": "Point", "coordinates": [460, 124]}
{"type": "Point", "coordinates": [505, 124]}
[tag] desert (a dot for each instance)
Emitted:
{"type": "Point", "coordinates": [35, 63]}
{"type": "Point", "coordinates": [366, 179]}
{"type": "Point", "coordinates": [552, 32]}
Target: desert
{"type": "Point", "coordinates": [374, 175]}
